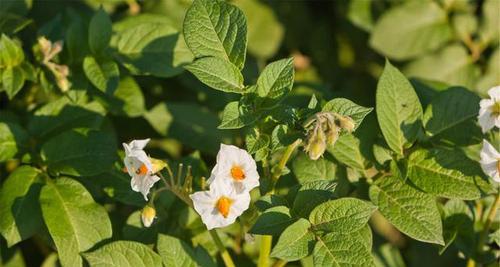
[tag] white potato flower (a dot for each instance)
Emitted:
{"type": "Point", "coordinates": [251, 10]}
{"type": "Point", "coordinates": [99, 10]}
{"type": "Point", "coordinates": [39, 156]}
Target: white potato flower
{"type": "Point", "coordinates": [221, 205]}
{"type": "Point", "coordinates": [148, 215]}
{"type": "Point", "coordinates": [139, 167]}
{"type": "Point", "coordinates": [489, 112]}
{"type": "Point", "coordinates": [490, 161]}
{"type": "Point", "coordinates": [236, 167]}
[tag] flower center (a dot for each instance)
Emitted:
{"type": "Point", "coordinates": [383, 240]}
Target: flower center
{"type": "Point", "coordinates": [223, 205]}
{"type": "Point", "coordinates": [495, 109]}
{"type": "Point", "coordinates": [143, 170]}
{"type": "Point", "coordinates": [237, 173]}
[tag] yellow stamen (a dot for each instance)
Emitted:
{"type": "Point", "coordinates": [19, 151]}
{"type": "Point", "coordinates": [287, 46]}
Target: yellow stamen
{"type": "Point", "coordinates": [223, 205]}
{"type": "Point", "coordinates": [237, 173]}
{"type": "Point", "coordinates": [143, 170]}
{"type": "Point", "coordinates": [495, 109]}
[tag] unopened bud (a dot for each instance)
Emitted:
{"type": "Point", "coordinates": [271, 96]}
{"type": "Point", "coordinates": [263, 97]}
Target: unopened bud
{"type": "Point", "coordinates": [148, 215]}
{"type": "Point", "coordinates": [158, 164]}
{"type": "Point", "coordinates": [346, 123]}
{"type": "Point", "coordinates": [316, 144]}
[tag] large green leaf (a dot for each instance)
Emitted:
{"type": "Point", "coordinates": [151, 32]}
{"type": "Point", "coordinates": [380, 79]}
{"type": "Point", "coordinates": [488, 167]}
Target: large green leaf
{"type": "Point", "coordinates": [311, 194]}
{"type": "Point", "coordinates": [75, 222]}
{"type": "Point", "coordinates": [276, 81]}
{"type": "Point", "coordinates": [450, 108]}
{"type": "Point", "coordinates": [306, 169]}
{"type": "Point", "coordinates": [21, 216]}
{"type": "Point", "coordinates": [452, 65]}
{"type": "Point", "coordinates": [152, 48]}
{"type": "Point", "coordinates": [408, 209]}
{"type": "Point", "coordinates": [218, 29]}
{"type": "Point", "coordinates": [80, 153]}
{"type": "Point", "coordinates": [116, 184]}
{"type": "Point", "coordinates": [343, 215]}
{"type": "Point", "coordinates": [346, 107]}
{"type": "Point", "coordinates": [265, 31]}
{"type": "Point", "coordinates": [398, 109]}
{"type": "Point", "coordinates": [446, 173]}
{"type": "Point", "coordinates": [123, 254]}
{"type": "Point", "coordinates": [99, 31]}
{"type": "Point", "coordinates": [272, 221]}
{"type": "Point", "coordinates": [343, 250]}
{"type": "Point", "coordinates": [175, 252]}
{"type": "Point", "coordinates": [103, 74]}
{"type": "Point", "coordinates": [411, 29]}
{"type": "Point", "coordinates": [295, 243]}
{"type": "Point", "coordinates": [130, 100]}
{"type": "Point", "coordinates": [217, 73]}
{"type": "Point", "coordinates": [347, 150]}
{"type": "Point", "coordinates": [12, 139]}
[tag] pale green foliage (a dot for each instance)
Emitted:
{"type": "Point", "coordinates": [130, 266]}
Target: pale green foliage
{"type": "Point", "coordinates": [295, 242]}
{"type": "Point", "coordinates": [103, 75]}
{"type": "Point", "coordinates": [218, 74]}
{"type": "Point", "coordinates": [123, 254]}
{"type": "Point", "coordinates": [175, 252]}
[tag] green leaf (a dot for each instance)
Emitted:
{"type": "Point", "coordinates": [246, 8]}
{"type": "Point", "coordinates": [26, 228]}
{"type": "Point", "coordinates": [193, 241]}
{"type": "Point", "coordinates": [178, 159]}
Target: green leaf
{"type": "Point", "coordinates": [347, 150]}
{"type": "Point", "coordinates": [142, 45]}
{"type": "Point", "coordinates": [490, 77]}
{"type": "Point", "coordinates": [411, 29]}
{"type": "Point", "coordinates": [339, 250]}
{"type": "Point", "coordinates": [61, 114]}
{"type": "Point", "coordinates": [295, 243]}
{"type": "Point", "coordinates": [75, 222]}
{"type": "Point", "coordinates": [127, 100]}
{"type": "Point", "coordinates": [272, 221]}
{"type": "Point", "coordinates": [99, 32]}
{"type": "Point", "coordinates": [256, 141]}
{"type": "Point", "coordinates": [134, 229]}
{"type": "Point", "coordinates": [446, 173]}
{"type": "Point", "coordinates": [360, 14]}
{"type": "Point", "coordinates": [306, 169]}
{"type": "Point", "coordinates": [348, 108]}
{"type": "Point", "coordinates": [452, 65]}
{"type": "Point", "coordinates": [218, 74]}
{"type": "Point", "coordinates": [312, 194]}
{"type": "Point", "coordinates": [450, 108]}
{"type": "Point", "coordinates": [276, 81]}
{"type": "Point", "coordinates": [495, 236]}
{"type": "Point", "coordinates": [12, 139]}
{"type": "Point", "coordinates": [236, 116]}
{"type": "Point", "coordinates": [344, 215]}
{"type": "Point", "coordinates": [21, 217]}
{"type": "Point", "coordinates": [11, 54]}
{"type": "Point", "coordinates": [80, 153]}
{"type": "Point", "coordinates": [215, 28]}
{"type": "Point", "coordinates": [398, 109]}
{"type": "Point", "coordinates": [11, 23]}
{"type": "Point", "coordinates": [489, 31]}
{"type": "Point", "coordinates": [104, 75]}
{"type": "Point", "coordinates": [175, 252]}
{"type": "Point", "coordinates": [116, 184]}
{"type": "Point", "coordinates": [265, 32]}
{"type": "Point", "coordinates": [408, 209]}
{"type": "Point", "coordinates": [123, 254]}
{"type": "Point", "coordinates": [12, 80]}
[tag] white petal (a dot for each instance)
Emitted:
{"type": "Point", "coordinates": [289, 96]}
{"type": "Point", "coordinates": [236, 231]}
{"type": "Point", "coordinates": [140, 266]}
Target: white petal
{"type": "Point", "coordinates": [126, 148]}
{"type": "Point", "coordinates": [485, 104]}
{"type": "Point", "coordinates": [488, 152]}
{"type": "Point", "coordinates": [490, 169]}
{"type": "Point", "coordinates": [241, 204]}
{"type": "Point", "coordinates": [143, 183]}
{"type": "Point", "coordinates": [494, 93]}
{"type": "Point", "coordinates": [139, 144]}
{"type": "Point", "coordinates": [486, 121]}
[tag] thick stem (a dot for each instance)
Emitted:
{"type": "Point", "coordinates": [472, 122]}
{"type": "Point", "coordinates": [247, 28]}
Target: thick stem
{"type": "Point", "coordinates": [267, 240]}
{"type": "Point", "coordinates": [228, 261]}
{"type": "Point", "coordinates": [279, 263]}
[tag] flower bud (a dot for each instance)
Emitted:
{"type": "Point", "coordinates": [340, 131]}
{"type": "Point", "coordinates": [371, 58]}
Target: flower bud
{"type": "Point", "coordinates": [148, 215]}
{"type": "Point", "coordinates": [316, 144]}
{"type": "Point", "coordinates": [158, 164]}
{"type": "Point", "coordinates": [346, 123]}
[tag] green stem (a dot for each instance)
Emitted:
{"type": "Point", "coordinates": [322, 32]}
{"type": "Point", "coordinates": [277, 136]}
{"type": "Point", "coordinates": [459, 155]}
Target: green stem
{"type": "Point", "coordinates": [228, 261]}
{"type": "Point", "coordinates": [279, 263]}
{"type": "Point", "coordinates": [267, 240]}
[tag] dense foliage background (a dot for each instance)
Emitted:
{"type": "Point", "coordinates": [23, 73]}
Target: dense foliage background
{"type": "Point", "coordinates": [66, 107]}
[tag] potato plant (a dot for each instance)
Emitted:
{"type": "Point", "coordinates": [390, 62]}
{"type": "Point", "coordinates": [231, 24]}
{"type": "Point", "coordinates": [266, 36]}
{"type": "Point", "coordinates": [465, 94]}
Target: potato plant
{"type": "Point", "coordinates": [253, 133]}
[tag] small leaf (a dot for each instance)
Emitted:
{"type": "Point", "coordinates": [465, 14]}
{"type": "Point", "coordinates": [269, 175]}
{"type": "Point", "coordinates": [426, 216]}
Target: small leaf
{"type": "Point", "coordinates": [104, 75]}
{"type": "Point", "coordinates": [272, 221]}
{"type": "Point", "coordinates": [218, 74]}
{"type": "Point", "coordinates": [12, 80]}
{"type": "Point", "coordinates": [312, 194]}
{"type": "Point", "coordinates": [408, 209]}
{"type": "Point", "coordinates": [342, 215]}
{"type": "Point", "coordinates": [75, 222]}
{"type": "Point", "coordinates": [11, 54]}
{"type": "Point", "coordinates": [348, 108]}
{"type": "Point", "coordinates": [80, 153]}
{"type": "Point", "coordinates": [99, 32]}
{"type": "Point", "coordinates": [214, 28]}
{"type": "Point", "coordinates": [175, 252]}
{"type": "Point", "coordinates": [446, 173]}
{"type": "Point", "coordinates": [295, 243]}
{"type": "Point", "coordinates": [123, 254]}
{"type": "Point", "coordinates": [398, 109]}
{"type": "Point", "coordinates": [21, 216]}
{"type": "Point", "coordinates": [275, 81]}
{"type": "Point", "coordinates": [236, 116]}
{"type": "Point", "coordinates": [12, 139]}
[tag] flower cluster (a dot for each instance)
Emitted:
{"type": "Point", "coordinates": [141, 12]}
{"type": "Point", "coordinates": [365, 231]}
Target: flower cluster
{"type": "Point", "coordinates": [489, 118]}
{"type": "Point", "coordinates": [323, 129]}
{"type": "Point", "coordinates": [231, 180]}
